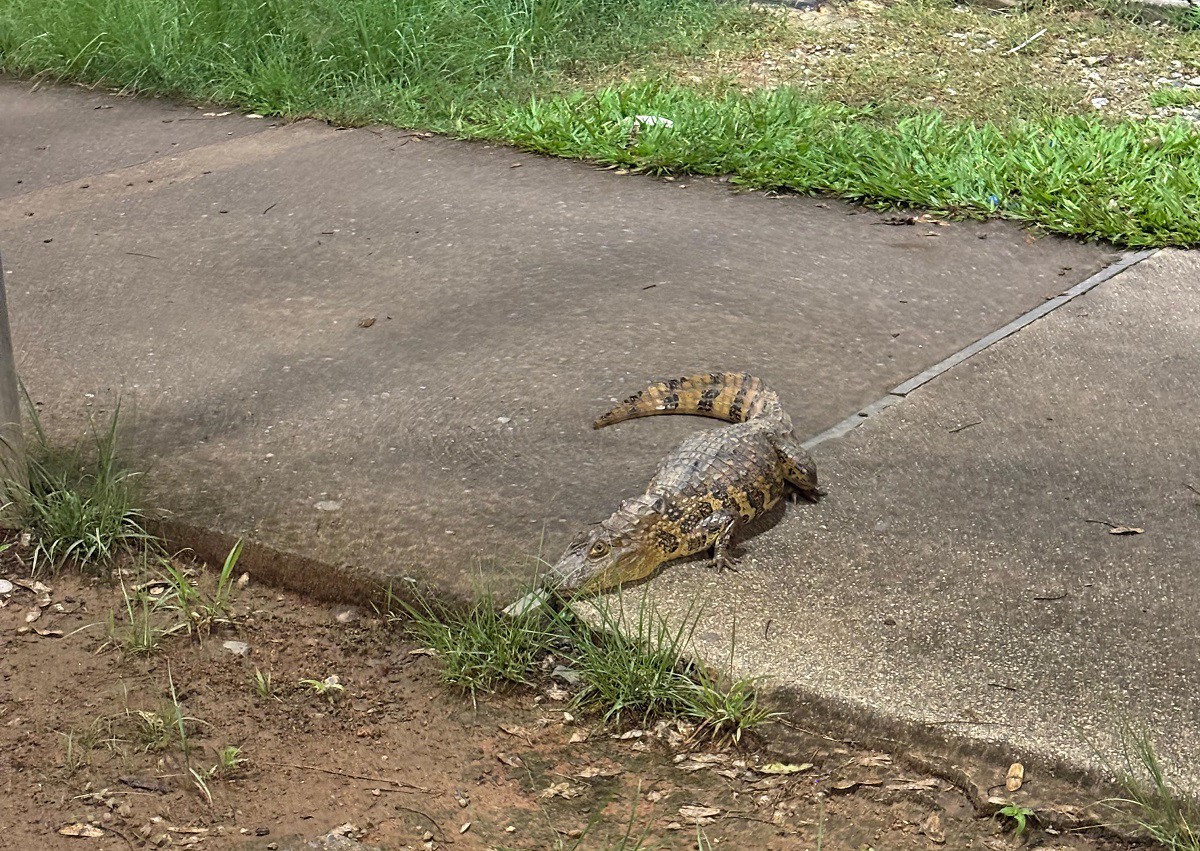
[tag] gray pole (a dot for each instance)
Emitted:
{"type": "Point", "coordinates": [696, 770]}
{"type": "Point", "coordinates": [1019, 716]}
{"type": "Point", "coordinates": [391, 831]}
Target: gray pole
{"type": "Point", "coordinates": [12, 466]}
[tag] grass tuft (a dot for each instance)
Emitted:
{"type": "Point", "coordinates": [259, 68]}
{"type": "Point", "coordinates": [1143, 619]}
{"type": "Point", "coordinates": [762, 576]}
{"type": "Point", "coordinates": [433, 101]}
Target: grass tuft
{"type": "Point", "coordinates": [201, 611]}
{"type": "Point", "coordinates": [632, 668]}
{"type": "Point", "coordinates": [478, 647]}
{"type": "Point", "coordinates": [1175, 96]}
{"type": "Point", "coordinates": [80, 504]}
{"type": "Point", "coordinates": [1161, 811]}
{"type": "Point", "coordinates": [636, 669]}
{"type": "Point", "coordinates": [144, 622]}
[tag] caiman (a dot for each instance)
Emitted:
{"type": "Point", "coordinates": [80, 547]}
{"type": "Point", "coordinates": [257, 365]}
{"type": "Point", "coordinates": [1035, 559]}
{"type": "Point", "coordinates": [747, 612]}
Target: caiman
{"type": "Point", "coordinates": [704, 492]}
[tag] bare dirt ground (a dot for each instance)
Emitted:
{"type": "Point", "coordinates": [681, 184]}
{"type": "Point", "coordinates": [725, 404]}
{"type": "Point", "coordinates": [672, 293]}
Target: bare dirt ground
{"type": "Point", "coordinates": [91, 755]}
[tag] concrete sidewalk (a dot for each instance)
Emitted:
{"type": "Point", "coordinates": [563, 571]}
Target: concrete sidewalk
{"type": "Point", "coordinates": [379, 355]}
{"type": "Point", "coordinates": [220, 287]}
{"type": "Point", "coordinates": [961, 577]}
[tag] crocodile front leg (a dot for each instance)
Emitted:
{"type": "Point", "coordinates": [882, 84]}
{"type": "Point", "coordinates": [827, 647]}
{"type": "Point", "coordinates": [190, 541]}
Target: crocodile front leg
{"type": "Point", "coordinates": [720, 527]}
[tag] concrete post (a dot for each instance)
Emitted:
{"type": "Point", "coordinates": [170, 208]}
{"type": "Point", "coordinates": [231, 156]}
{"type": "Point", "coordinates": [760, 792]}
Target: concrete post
{"type": "Point", "coordinates": [12, 466]}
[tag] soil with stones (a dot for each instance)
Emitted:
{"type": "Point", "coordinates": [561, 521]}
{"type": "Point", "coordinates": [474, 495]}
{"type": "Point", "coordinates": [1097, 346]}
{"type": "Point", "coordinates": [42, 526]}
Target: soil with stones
{"type": "Point", "coordinates": [101, 749]}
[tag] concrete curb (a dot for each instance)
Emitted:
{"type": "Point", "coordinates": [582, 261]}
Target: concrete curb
{"type": "Point", "coordinates": [898, 393]}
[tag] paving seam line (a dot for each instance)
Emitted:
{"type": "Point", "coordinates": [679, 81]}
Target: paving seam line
{"type": "Point", "coordinates": [900, 392]}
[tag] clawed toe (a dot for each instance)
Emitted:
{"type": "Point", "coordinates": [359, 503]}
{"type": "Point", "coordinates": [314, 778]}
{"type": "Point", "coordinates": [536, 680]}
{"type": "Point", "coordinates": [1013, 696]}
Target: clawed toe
{"type": "Point", "coordinates": [724, 563]}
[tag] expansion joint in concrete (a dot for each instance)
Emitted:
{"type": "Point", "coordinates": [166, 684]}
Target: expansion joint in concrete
{"type": "Point", "coordinates": [897, 394]}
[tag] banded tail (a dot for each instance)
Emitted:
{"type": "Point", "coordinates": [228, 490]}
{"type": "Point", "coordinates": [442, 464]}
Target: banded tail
{"type": "Point", "coordinates": [734, 397]}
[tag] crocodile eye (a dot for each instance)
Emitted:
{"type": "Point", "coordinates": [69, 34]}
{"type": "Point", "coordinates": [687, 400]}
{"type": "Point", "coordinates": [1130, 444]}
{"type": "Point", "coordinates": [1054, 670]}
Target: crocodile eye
{"type": "Point", "coordinates": [598, 550]}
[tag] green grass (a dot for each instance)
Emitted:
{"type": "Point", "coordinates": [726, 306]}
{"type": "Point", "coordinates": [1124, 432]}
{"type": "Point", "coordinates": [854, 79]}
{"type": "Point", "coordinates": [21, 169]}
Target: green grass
{"type": "Point", "coordinates": [478, 647]}
{"type": "Point", "coordinates": [414, 59]}
{"type": "Point", "coordinates": [632, 667]}
{"type": "Point", "coordinates": [200, 611]}
{"type": "Point", "coordinates": [1161, 811]}
{"type": "Point", "coordinates": [143, 623]}
{"type": "Point", "coordinates": [1135, 183]}
{"type": "Point", "coordinates": [565, 77]}
{"type": "Point", "coordinates": [1175, 97]}
{"type": "Point", "coordinates": [80, 505]}
{"type": "Point", "coordinates": [636, 667]}
{"type": "Point", "coordinates": [518, 71]}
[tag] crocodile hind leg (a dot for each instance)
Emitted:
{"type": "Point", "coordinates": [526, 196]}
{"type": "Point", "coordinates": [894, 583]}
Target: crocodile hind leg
{"type": "Point", "coordinates": [720, 527]}
{"type": "Point", "coordinates": [798, 468]}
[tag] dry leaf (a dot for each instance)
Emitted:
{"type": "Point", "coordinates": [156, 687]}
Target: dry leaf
{"type": "Point", "coordinates": [517, 731]}
{"type": "Point", "coordinates": [932, 828]}
{"type": "Point", "coordinates": [562, 790]}
{"type": "Point", "coordinates": [1016, 776]}
{"type": "Point", "coordinates": [596, 771]}
{"type": "Point", "coordinates": [511, 760]}
{"type": "Point", "coordinates": [631, 734]}
{"type": "Point", "coordinates": [875, 760]}
{"type": "Point", "coordinates": [366, 323]}
{"type": "Point", "coordinates": [783, 768]}
{"type": "Point", "coordinates": [32, 615]}
{"type": "Point", "coordinates": [699, 815]}
{"type": "Point", "coordinates": [146, 784]}
{"type": "Point", "coordinates": [931, 784]}
{"type": "Point", "coordinates": [82, 830]}
{"type": "Point", "coordinates": [1126, 530]}
{"type": "Point", "coordinates": [557, 693]}
{"type": "Point", "coordinates": [48, 633]}
{"type": "Point", "coordinates": [577, 737]}
{"type": "Point", "coordinates": [466, 826]}
{"type": "Point", "coordinates": [656, 795]}
{"type": "Point", "coordinates": [423, 651]}
{"type": "Point", "coordinates": [699, 761]}
{"type": "Point", "coordinates": [848, 785]}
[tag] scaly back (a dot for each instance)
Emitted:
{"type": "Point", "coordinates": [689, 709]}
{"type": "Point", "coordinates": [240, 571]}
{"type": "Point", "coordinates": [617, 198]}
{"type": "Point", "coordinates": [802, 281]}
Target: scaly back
{"type": "Point", "coordinates": [734, 397]}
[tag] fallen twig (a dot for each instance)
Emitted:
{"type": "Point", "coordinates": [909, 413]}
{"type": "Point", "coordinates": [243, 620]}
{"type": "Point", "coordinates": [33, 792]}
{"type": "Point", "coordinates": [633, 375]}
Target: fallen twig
{"type": "Point", "coordinates": [445, 839]}
{"type": "Point", "coordinates": [336, 773]}
{"type": "Point", "coordinates": [965, 426]}
{"type": "Point", "coordinates": [748, 817]}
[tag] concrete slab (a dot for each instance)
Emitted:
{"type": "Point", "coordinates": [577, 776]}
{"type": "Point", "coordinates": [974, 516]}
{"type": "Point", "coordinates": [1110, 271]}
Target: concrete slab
{"type": "Point", "coordinates": [52, 135]}
{"type": "Point", "coordinates": [961, 577]}
{"type": "Point", "coordinates": [222, 289]}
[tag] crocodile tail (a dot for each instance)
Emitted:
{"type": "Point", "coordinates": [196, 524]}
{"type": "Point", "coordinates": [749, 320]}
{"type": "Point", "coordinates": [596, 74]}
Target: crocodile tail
{"type": "Point", "coordinates": [734, 397]}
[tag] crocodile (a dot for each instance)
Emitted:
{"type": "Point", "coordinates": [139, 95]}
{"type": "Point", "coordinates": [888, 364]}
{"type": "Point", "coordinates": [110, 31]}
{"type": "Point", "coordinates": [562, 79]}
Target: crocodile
{"type": "Point", "coordinates": [703, 493]}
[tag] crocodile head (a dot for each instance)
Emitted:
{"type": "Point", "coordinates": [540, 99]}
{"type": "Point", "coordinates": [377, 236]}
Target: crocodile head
{"type": "Point", "coordinates": [619, 549]}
